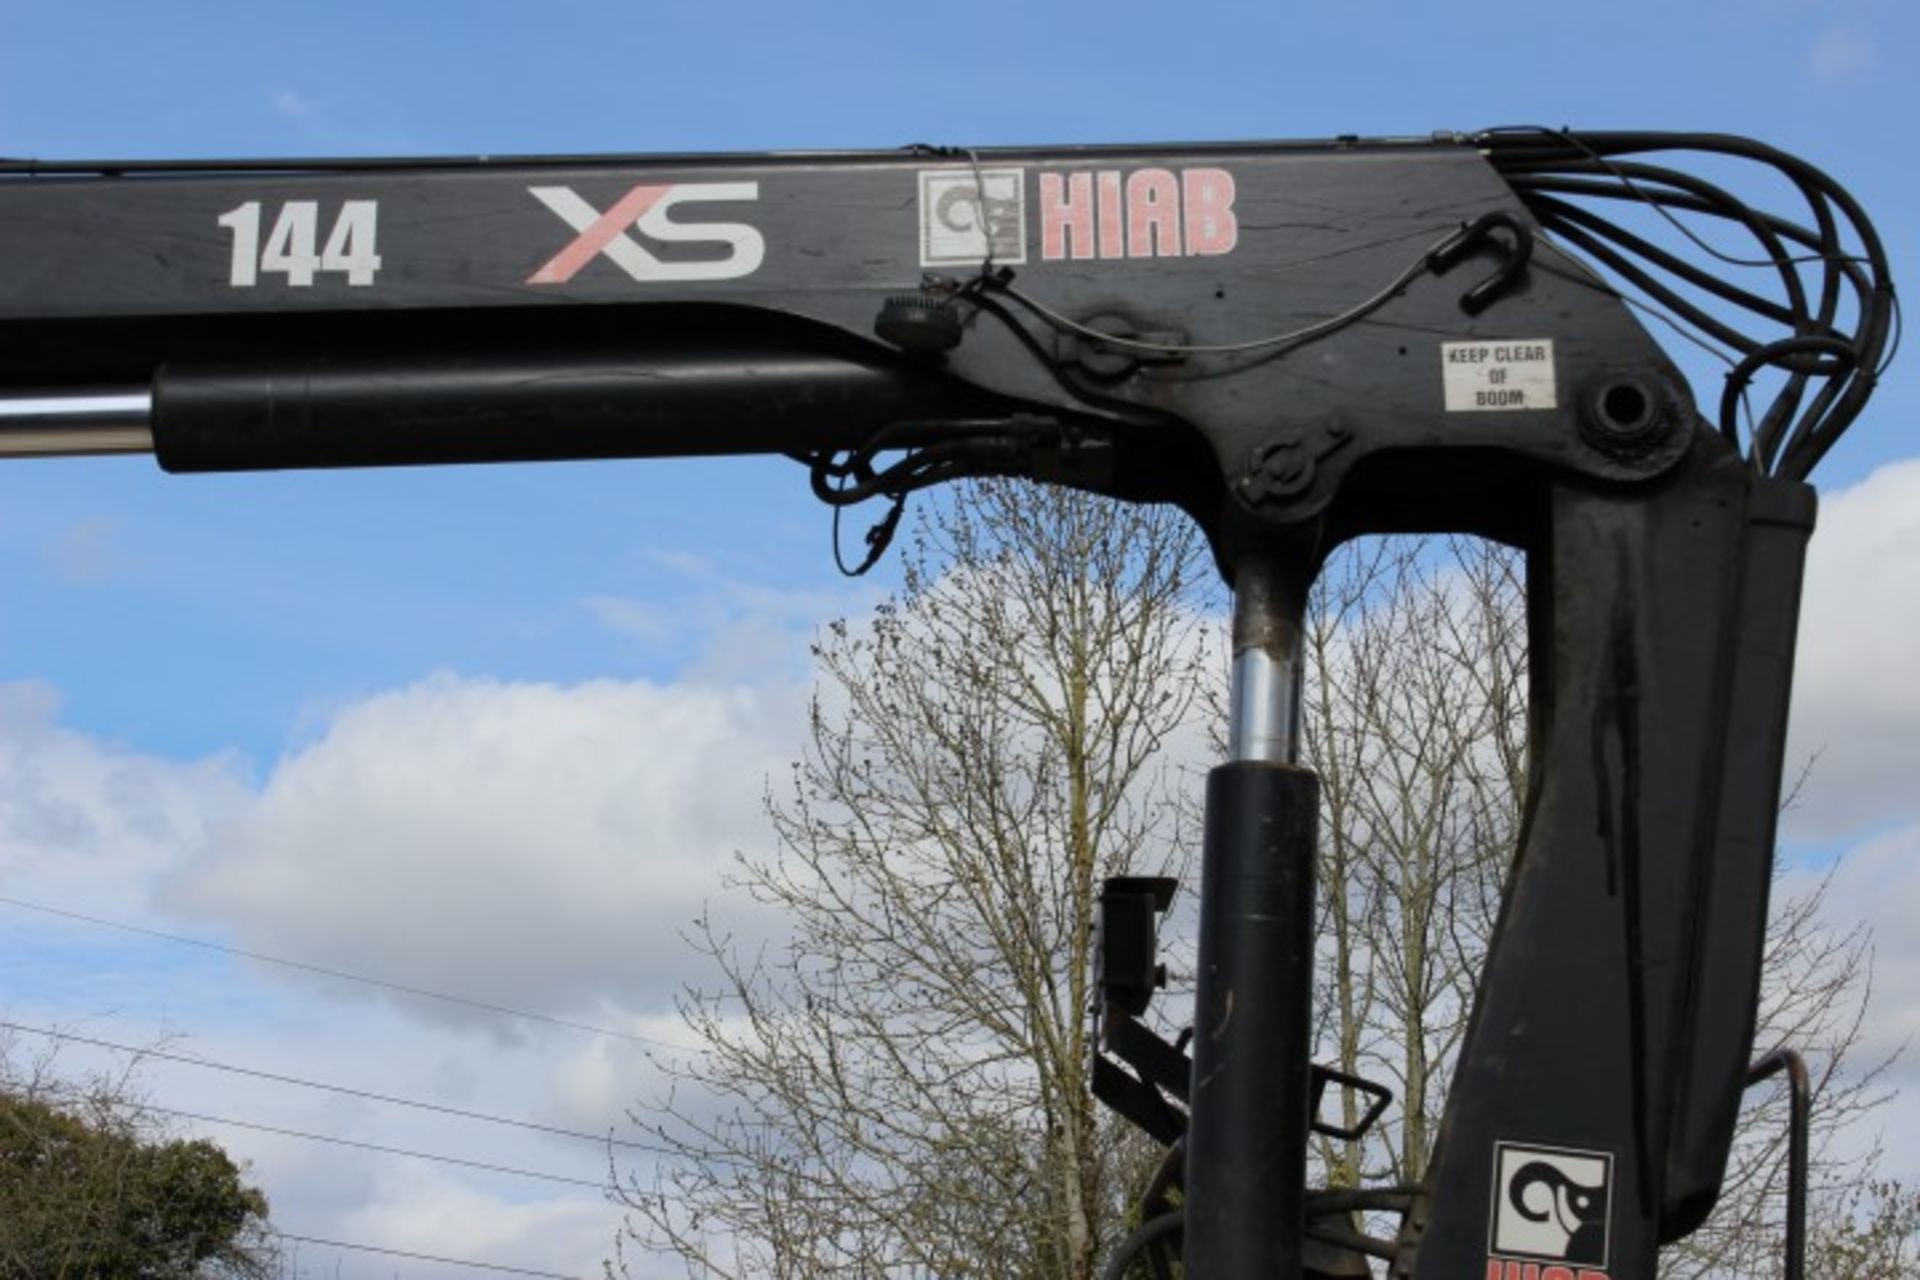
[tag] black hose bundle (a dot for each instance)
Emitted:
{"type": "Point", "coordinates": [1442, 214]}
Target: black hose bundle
{"type": "Point", "coordinates": [1835, 320]}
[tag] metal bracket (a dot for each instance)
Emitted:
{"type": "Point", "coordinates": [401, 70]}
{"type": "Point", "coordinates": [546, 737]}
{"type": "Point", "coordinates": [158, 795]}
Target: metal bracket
{"type": "Point", "coordinates": [1800, 1107]}
{"type": "Point", "coordinates": [1381, 1095]}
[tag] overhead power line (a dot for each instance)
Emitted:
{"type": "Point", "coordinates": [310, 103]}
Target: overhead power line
{"type": "Point", "coordinates": [341, 974]}
{"type": "Point", "coordinates": [346, 1090]}
{"type": "Point", "coordinates": [148, 1108]}
{"type": "Point", "coordinates": [425, 1257]}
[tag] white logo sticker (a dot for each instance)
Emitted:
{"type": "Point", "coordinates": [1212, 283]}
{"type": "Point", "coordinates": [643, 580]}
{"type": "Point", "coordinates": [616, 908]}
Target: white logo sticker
{"type": "Point", "coordinates": [1552, 1203]}
{"type": "Point", "coordinates": [646, 209]}
{"type": "Point", "coordinates": [1481, 376]}
{"type": "Point", "coordinates": [955, 222]}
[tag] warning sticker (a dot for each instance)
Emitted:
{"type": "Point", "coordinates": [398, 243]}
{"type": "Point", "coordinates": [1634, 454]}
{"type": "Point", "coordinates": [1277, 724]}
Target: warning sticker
{"type": "Point", "coordinates": [1482, 376]}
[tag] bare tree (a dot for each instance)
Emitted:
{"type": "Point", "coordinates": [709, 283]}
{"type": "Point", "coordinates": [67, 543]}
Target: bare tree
{"type": "Point", "coordinates": [1813, 999]}
{"type": "Point", "coordinates": [1873, 1231]}
{"type": "Point", "coordinates": [1416, 721]}
{"type": "Point", "coordinates": [902, 1086]}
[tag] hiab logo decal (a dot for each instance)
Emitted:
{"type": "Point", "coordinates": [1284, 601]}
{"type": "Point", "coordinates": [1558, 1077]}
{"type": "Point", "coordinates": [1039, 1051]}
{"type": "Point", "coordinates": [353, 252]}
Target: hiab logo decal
{"type": "Point", "coordinates": [1149, 213]}
{"type": "Point", "coordinates": [1552, 1209]}
{"type": "Point", "coordinates": [1085, 214]}
{"type": "Point", "coordinates": [646, 209]}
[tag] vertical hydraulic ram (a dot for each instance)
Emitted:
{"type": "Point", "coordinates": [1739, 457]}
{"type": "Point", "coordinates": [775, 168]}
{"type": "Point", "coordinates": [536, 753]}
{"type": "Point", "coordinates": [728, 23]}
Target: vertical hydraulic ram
{"type": "Point", "coordinates": [1247, 1141]}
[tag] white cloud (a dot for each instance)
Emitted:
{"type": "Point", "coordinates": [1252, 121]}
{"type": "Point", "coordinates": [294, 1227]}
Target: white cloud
{"type": "Point", "coordinates": [1878, 885]}
{"type": "Point", "coordinates": [385, 1198]}
{"type": "Point", "coordinates": [680, 562]}
{"type": "Point", "coordinates": [1856, 710]}
{"type": "Point", "coordinates": [292, 105]}
{"type": "Point", "coordinates": [84, 822]}
{"type": "Point", "coordinates": [1843, 53]}
{"type": "Point", "coordinates": [86, 553]}
{"type": "Point", "coordinates": [534, 845]}
{"type": "Point", "coordinates": [544, 846]}
{"type": "Point", "coordinates": [423, 1210]}
{"type": "Point", "coordinates": [639, 620]}
{"type": "Point", "coordinates": [732, 630]}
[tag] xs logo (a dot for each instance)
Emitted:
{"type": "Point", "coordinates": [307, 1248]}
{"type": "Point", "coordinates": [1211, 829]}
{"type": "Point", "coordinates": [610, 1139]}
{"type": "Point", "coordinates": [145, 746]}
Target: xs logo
{"type": "Point", "coordinates": [647, 210]}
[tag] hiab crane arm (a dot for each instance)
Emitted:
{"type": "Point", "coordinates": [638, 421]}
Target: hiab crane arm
{"type": "Point", "coordinates": [1297, 344]}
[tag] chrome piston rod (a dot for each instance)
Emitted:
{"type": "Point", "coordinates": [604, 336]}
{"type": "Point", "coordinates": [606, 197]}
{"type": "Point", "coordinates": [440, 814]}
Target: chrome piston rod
{"type": "Point", "coordinates": [76, 423]}
{"type": "Point", "coordinates": [1264, 722]}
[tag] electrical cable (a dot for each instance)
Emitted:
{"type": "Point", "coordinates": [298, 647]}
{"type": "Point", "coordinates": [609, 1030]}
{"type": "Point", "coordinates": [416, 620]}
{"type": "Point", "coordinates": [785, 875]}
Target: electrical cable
{"type": "Point", "coordinates": [1000, 281]}
{"type": "Point", "coordinates": [1622, 265]}
{"type": "Point", "coordinates": [997, 448]}
{"type": "Point", "coordinates": [1280, 341]}
{"type": "Point", "coordinates": [1679, 329]}
{"type": "Point", "coordinates": [879, 537]}
{"type": "Point", "coordinates": [77, 1252]}
{"type": "Point", "coordinates": [149, 1108]}
{"type": "Point", "coordinates": [423, 1257]}
{"type": "Point", "coordinates": [1672, 263]}
{"type": "Point", "coordinates": [976, 448]}
{"type": "Point", "coordinates": [341, 974]}
{"type": "Point", "coordinates": [980, 199]}
{"type": "Point", "coordinates": [1549, 170]}
{"type": "Point", "coordinates": [1587, 280]}
{"type": "Point", "coordinates": [344, 1090]}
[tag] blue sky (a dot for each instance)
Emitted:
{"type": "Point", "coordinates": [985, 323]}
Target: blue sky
{"type": "Point", "coordinates": [185, 662]}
